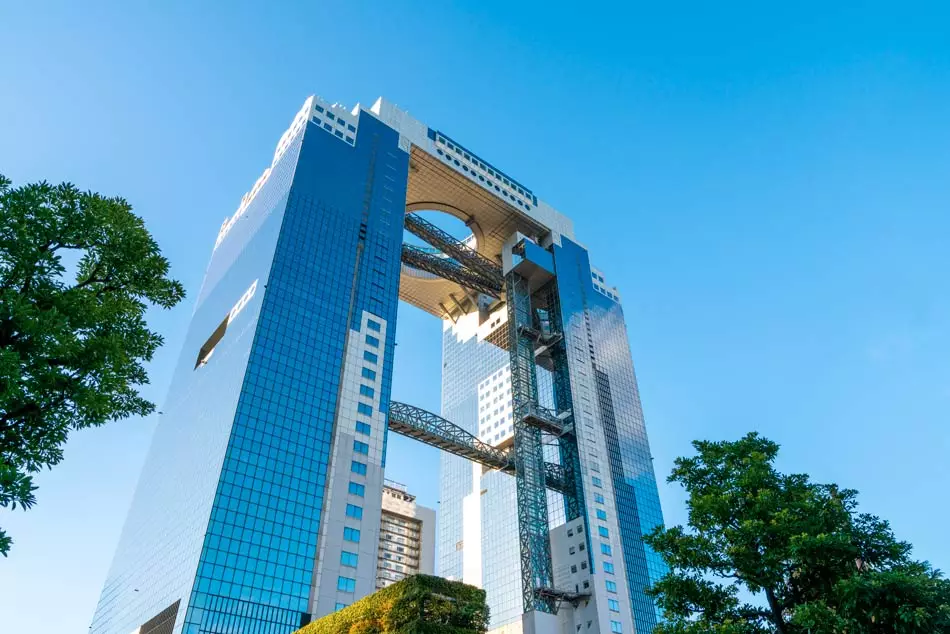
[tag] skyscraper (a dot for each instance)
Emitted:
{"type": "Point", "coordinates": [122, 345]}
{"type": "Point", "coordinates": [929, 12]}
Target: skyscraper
{"type": "Point", "coordinates": [407, 537]}
{"type": "Point", "coordinates": [260, 502]}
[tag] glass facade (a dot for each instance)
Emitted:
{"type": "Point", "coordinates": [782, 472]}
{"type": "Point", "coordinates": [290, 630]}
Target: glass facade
{"type": "Point", "coordinates": [259, 505]}
{"type": "Point", "coordinates": [229, 509]}
{"type": "Point", "coordinates": [612, 438]}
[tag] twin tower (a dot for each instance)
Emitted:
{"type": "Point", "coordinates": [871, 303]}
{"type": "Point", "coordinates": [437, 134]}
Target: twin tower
{"type": "Point", "coordinates": [259, 504]}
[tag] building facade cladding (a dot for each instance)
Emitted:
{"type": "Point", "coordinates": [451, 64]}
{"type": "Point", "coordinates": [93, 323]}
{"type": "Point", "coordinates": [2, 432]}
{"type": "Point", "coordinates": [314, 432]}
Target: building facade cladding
{"type": "Point", "coordinates": [406, 544]}
{"type": "Point", "coordinates": [157, 555]}
{"type": "Point", "coordinates": [619, 482]}
{"type": "Point", "coordinates": [248, 437]}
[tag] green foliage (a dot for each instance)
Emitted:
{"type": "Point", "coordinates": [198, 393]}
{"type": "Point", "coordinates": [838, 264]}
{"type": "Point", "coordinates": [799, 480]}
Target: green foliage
{"type": "Point", "coordinates": [77, 273]}
{"type": "Point", "coordinates": [814, 563]}
{"type": "Point", "coordinates": [420, 604]}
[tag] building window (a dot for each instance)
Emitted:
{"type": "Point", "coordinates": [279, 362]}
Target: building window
{"type": "Point", "coordinates": [616, 627]}
{"type": "Point", "coordinates": [598, 498]}
{"type": "Point", "coordinates": [372, 325]}
{"type": "Point", "coordinates": [597, 482]}
{"type": "Point", "coordinates": [369, 374]}
{"type": "Point", "coordinates": [346, 584]}
{"type": "Point", "coordinates": [349, 559]}
{"type": "Point", "coordinates": [573, 568]}
{"type": "Point", "coordinates": [363, 428]}
{"type": "Point", "coordinates": [369, 356]}
{"type": "Point", "coordinates": [339, 606]}
{"type": "Point", "coordinates": [602, 531]}
{"type": "Point", "coordinates": [353, 535]}
{"type": "Point", "coordinates": [372, 341]}
{"type": "Point", "coordinates": [614, 605]}
{"type": "Point", "coordinates": [608, 568]}
{"type": "Point", "coordinates": [360, 447]}
{"type": "Point", "coordinates": [367, 391]}
{"type": "Point", "coordinates": [611, 586]}
{"type": "Point", "coordinates": [364, 409]}
{"type": "Point", "coordinates": [601, 514]}
{"type": "Point", "coordinates": [357, 489]}
{"type": "Point", "coordinates": [605, 549]}
{"type": "Point", "coordinates": [358, 467]}
{"type": "Point", "coordinates": [356, 512]}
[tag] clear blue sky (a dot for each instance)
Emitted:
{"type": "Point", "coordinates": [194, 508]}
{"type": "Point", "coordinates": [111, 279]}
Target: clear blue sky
{"type": "Point", "coordinates": [769, 187]}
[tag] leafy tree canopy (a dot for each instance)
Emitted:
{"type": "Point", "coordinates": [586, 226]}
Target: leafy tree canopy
{"type": "Point", "coordinates": [77, 274]}
{"type": "Point", "coordinates": [772, 552]}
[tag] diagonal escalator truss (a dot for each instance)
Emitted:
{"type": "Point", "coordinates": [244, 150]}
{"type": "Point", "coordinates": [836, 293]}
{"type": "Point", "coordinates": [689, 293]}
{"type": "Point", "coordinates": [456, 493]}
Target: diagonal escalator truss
{"type": "Point", "coordinates": [466, 256]}
{"type": "Point", "coordinates": [448, 269]}
{"type": "Point", "coordinates": [424, 426]}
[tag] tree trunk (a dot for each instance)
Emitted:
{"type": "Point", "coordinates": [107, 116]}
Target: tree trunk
{"type": "Point", "coordinates": [776, 609]}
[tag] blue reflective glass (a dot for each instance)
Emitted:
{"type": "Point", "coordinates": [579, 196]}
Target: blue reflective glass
{"type": "Point", "coordinates": [611, 586]}
{"type": "Point", "coordinates": [237, 545]}
{"type": "Point", "coordinates": [364, 409]}
{"type": "Point", "coordinates": [351, 534]}
{"type": "Point", "coordinates": [358, 467]}
{"type": "Point", "coordinates": [363, 428]}
{"type": "Point", "coordinates": [368, 374]}
{"type": "Point", "coordinates": [357, 489]}
{"type": "Point", "coordinates": [372, 341]}
{"type": "Point", "coordinates": [349, 559]}
{"type": "Point", "coordinates": [608, 568]}
{"type": "Point", "coordinates": [366, 390]}
{"type": "Point", "coordinates": [360, 447]}
{"type": "Point", "coordinates": [601, 514]}
{"type": "Point", "coordinates": [602, 531]}
{"type": "Point", "coordinates": [345, 584]}
{"type": "Point", "coordinates": [354, 511]}
{"type": "Point", "coordinates": [372, 325]}
{"type": "Point", "coordinates": [370, 357]}
{"type": "Point", "coordinates": [605, 549]}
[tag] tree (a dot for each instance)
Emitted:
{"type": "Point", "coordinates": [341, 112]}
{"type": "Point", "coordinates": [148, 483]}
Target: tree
{"type": "Point", "coordinates": [777, 553]}
{"type": "Point", "coordinates": [77, 273]}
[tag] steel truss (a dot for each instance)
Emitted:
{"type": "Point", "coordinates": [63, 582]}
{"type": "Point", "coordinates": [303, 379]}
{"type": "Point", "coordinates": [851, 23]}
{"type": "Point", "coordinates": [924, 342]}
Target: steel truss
{"type": "Point", "coordinates": [449, 269]}
{"type": "Point", "coordinates": [563, 401]}
{"type": "Point", "coordinates": [466, 256]}
{"type": "Point", "coordinates": [537, 577]}
{"type": "Point", "coordinates": [424, 426]}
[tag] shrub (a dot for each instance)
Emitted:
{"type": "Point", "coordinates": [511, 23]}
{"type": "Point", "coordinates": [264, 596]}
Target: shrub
{"type": "Point", "coordinates": [420, 604]}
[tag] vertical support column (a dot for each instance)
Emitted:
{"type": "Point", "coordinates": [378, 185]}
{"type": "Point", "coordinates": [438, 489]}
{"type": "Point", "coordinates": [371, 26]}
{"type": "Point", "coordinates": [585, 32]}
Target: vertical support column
{"type": "Point", "coordinates": [564, 402]}
{"type": "Point", "coordinates": [529, 458]}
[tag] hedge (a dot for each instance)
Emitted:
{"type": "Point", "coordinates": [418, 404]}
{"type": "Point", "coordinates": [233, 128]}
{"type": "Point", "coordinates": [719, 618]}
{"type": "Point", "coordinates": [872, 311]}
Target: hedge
{"type": "Point", "coordinates": [420, 604]}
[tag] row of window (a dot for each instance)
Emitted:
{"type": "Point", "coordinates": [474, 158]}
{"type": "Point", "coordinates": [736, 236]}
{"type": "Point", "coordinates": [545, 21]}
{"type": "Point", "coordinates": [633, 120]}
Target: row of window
{"type": "Point", "coordinates": [606, 549]}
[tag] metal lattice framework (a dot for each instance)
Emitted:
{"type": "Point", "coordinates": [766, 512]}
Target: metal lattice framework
{"type": "Point", "coordinates": [537, 577]}
{"type": "Point", "coordinates": [563, 401]}
{"type": "Point", "coordinates": [432, 429]}
{"type": "Point", "coordinates": [449, 269]}
{"type": "Point", "coordinates": [466, 256]}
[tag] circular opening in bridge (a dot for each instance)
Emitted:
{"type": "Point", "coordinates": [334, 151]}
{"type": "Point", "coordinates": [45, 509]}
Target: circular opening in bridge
{"type": "Point", "coordinates": [448, 223]}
